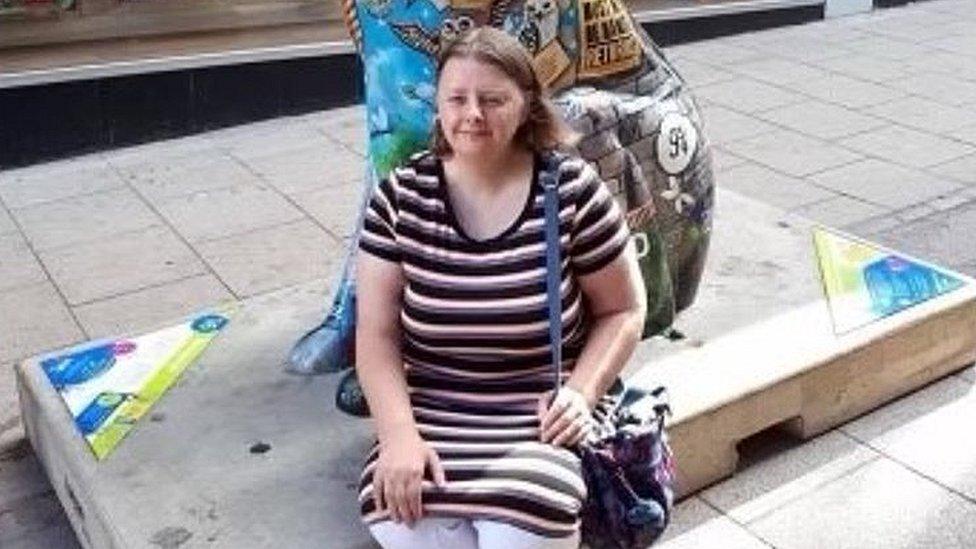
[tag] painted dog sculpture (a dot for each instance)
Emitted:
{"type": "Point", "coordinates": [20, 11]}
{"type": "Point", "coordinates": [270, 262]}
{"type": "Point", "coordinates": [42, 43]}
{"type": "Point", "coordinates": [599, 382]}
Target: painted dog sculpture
{"type": "Point", "coordinates": [639, 124]}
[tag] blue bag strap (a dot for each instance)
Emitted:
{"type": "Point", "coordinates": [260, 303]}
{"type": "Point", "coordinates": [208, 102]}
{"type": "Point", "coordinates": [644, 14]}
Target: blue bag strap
{"type": "Point", "coordinates": [550, 185]}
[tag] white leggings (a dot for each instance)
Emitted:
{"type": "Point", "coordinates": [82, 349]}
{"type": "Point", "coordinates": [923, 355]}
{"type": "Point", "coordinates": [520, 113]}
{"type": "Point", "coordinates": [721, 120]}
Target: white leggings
{"type": "Point", "coordinates": [452, 533]}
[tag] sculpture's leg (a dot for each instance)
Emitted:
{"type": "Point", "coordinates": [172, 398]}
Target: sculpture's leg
{"type": "Point", "coordinates": [330, 346]}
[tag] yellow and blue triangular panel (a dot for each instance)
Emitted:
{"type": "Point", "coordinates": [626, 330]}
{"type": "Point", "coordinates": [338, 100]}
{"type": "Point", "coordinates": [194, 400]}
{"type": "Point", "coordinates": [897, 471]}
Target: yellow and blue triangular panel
{"type": "Point", "coordinates": [864, 282]}
{"type": "Point", "coordinates": [109, 385]}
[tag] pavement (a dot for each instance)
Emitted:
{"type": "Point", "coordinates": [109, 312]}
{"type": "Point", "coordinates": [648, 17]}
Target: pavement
{"type": "Point", "coordinates": [865, 123]}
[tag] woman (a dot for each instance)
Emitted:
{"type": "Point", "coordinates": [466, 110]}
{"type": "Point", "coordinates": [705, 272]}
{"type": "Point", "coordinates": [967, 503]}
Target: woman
{"type": "Point", "coordinates": [452, 342]}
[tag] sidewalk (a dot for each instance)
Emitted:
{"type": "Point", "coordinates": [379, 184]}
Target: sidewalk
{"type": "Point", "coordinates": [867, 123]}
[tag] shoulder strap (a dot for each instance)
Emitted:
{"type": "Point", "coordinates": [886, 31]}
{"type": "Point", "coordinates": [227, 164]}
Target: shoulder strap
{"type": "Point", "coordinates": [549, 177]}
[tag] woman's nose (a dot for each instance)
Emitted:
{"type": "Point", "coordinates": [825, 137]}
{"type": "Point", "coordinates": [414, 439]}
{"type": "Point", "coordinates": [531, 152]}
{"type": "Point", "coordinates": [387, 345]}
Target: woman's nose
{"type": "Point", "coordinates": [473, 111]}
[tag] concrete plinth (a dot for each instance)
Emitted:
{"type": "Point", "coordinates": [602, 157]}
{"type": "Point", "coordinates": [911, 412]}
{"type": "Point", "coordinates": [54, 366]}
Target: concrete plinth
{"type": "Point", "coordinates": [759, 351]}
{"type": "Point", "coordinates": [186, 476]}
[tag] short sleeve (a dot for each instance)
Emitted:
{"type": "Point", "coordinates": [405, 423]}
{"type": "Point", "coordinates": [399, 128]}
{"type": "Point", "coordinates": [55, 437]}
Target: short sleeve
{"type": "Point", "coordinates": [378, 236]}
{"type": "Point", "coordinates": [599, 231]}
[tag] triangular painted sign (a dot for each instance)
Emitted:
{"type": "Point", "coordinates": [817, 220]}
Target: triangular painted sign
{"type": "Point", "coordinates": [864, 282]}
{"type": "Point", "coordinates": [108, 385]}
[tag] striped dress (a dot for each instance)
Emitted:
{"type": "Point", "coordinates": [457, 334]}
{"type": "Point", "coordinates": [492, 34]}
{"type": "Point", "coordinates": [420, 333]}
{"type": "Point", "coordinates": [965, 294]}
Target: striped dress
{"type": "Point", "coordinates": [475, 340]}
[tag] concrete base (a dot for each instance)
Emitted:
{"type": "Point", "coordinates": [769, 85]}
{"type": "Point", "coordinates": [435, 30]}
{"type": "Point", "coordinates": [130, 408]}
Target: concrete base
{"type": "Point", "coordinates": [760, 352]}
{"type": "Point", "coordinates": [187, 473]}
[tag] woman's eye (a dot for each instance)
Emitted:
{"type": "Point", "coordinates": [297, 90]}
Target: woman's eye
{"type": "Point", "coordinates": [456, 99]}
{"type": "Point", "coordinates": [493, 101]}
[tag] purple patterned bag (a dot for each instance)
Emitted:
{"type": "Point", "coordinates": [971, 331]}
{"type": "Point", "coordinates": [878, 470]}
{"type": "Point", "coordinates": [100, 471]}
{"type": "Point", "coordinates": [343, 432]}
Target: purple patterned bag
{"type": "Point", "coordinates": [629, 475]}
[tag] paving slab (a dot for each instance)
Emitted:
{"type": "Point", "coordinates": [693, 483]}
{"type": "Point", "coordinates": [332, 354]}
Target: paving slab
{"type": "Point", "coordinates": [21, 476]}
{"type": "Point", "coordinates": [694, 525]}
{"type": "Point", "coordinates": [879, 506]}
{"type": "Point", "coordinates": [29, 521]}
{"type": "Point", "coordinates": [163, 178]}
{"type": "Point", "coordinates": [792, 153]}
{"type": "Point", "coordinates": [921, 431]}
{"type": "Point", "coordinates": [723, 125]}
{"type": "Point", "coordinates": [747, 96]}
{"type": "Point", "coordinates": [954, 200]}
{"type": "Point", "coordinates": [269, 259]}
{"type": "Point", "coordinates": [715, 53]}
{"type": "Point", "coordinates": [840, 211]}
{"type": "Point", "coordinates": [208, 215]}
{"type": "Point", "coordinates": [961, 169]}
{"type": "Point", "coordinates": [787, 474]}
{"type": "Point", "coordinates": [944, 238]}
{"type": "Point", "coordinates": [30, 513]}
{"type": "Point", "coordinates": [723, 160]}
{"type": "Point", "coordinates": [966, 135]}
{"type": "Point", "coordinates": [18, 264]}
{"type": "Point", "coordinates": [833, 32]}
{"type": "Point", "coordinates": [906, 146]}
{"type": "Point", "coordinates": [864, 67]}
{"type": "Point", "coordinates": [924, 114]}
{"type": "Point", "coordinates": [6, 222]}
{"type": "Point", "coordinates": [885, 184]}
{"type": "Point", "coordinates": [251, 140]}
{"type": "Point", "coordinates": [146, 309]}
{"type": "Point", "coordinates": [906, 31]}
{"type": "Point", "coordinates": [34, 319]}
{"type": "Point", "coordinates": [335, 209]}
{"type": "Point", "coordinates": [346, 126]}
{"type": "Point", "coordinates": [771, 187]}
{"type": "Point", "coordinates": [869, 228]}
{"type": "Point", "coordinates": [806, 49]}
{"type": "Point", "coordinates": [821, 120]}
{"type": "Point", "coordinates": [120, 264]}
{"type": "Point", "coordinates": [888, 48]}
{"type": "Point", "coordinates": [699, 74]}
{"type": "Point", "coordinates": [914, 213]}
{"type": "Point", "coordinates": [846, 91]}
{"type": "Point", "coordinates": [57, 180]}
{"type": "Point", "coordinates": [778, 71]}
{"type": "Point", "coordinates": [11, 429]}
{"type": "Point", "coordinates": [55, 536]}
{"type": "Point", "coordinates": [309, 167]}
{"type": "Point", "coordinates": [946, 61]}
{"type": "Point", "coordinates": [957, 43]}
{"type": "Point", "coordinates": [939, 87]}
{"type": "Point", "coordinates": [84, 219]}
{"type": "Point", "coordinates": [160, 152]}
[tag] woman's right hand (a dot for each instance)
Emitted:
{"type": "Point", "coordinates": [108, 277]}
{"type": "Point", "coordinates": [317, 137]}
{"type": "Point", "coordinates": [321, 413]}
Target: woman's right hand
{"type": "Point", "coordinates": [399, 475]}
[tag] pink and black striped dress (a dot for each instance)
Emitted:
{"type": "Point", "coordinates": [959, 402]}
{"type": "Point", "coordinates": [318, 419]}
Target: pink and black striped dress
{"type": "Point", "coordinates": [475, 340]}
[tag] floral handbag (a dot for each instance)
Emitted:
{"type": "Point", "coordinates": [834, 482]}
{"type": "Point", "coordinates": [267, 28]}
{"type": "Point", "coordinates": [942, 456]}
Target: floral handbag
{"type": "Point", "coordinates": [629, 469]}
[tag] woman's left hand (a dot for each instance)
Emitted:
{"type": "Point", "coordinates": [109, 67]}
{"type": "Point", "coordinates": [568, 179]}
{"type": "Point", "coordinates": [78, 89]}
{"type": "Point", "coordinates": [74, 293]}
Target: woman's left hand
{"type": "Point", "coordinates": [567, 420]}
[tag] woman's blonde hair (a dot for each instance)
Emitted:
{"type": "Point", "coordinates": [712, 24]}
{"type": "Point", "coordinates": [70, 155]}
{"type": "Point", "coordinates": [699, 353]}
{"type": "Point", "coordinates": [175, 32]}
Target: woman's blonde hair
{"type": "Point", "coordinates": [543, 128]}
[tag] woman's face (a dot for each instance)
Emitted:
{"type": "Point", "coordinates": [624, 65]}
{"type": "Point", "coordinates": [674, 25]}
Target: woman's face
{"type": "Point", "coordinates": [480, 108]}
